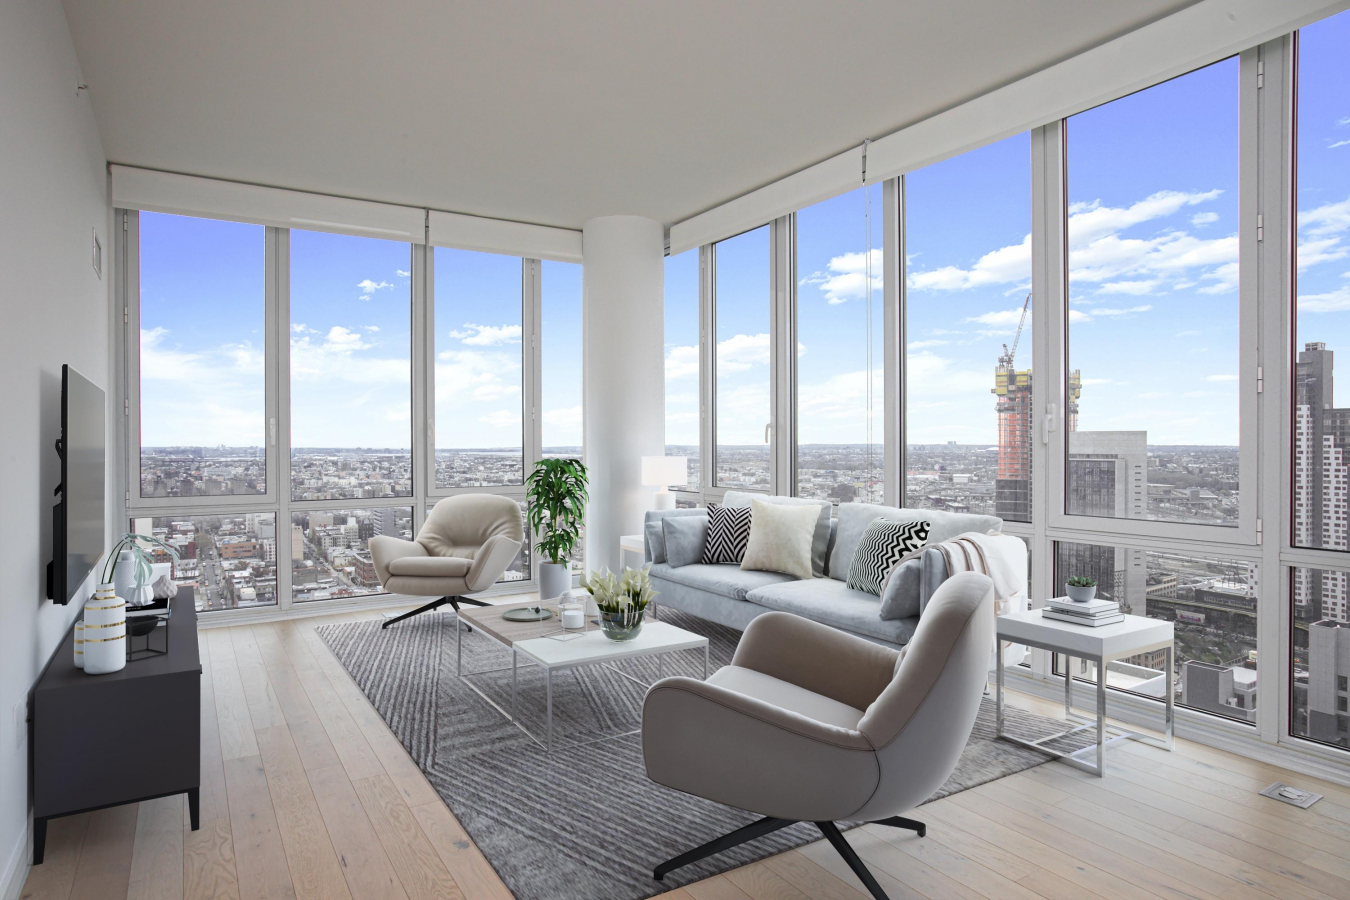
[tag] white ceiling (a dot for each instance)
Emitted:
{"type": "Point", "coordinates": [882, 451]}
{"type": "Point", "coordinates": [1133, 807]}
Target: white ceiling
{"type": "Point", "coordinates": [548, 112]}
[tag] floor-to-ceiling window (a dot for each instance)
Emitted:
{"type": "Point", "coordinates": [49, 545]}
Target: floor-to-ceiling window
{"type": "Point", "coordinates": [478, 315]}
{"type": "Point", "coordinates": [1320, 495]}
{"type": "Point", "coordinates": [968, 332]}
{"type": "Point", "coordinates": [743, 414]}
{"type": "Point", "coordinates": [1152, 429]}
{"type": "Point", "coordinates": [682, 361]}
{"type": "Point", "coordinates": [840, 337]}
{"type": "Point", "coordinates": [1152, 185]}
{"type": "Point", "coordinates": [350, 407]}
{"type": "Point", "coordinates": [203, 447]}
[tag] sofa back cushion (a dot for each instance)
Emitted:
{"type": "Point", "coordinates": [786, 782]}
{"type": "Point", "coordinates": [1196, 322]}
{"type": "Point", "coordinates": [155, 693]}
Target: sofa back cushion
{"type": "Point", "coordinates": [942, 526]}
{"type": "Point", "coordinates": [654, 541]}
{"type": "Point", "coordinates": [820, 539]}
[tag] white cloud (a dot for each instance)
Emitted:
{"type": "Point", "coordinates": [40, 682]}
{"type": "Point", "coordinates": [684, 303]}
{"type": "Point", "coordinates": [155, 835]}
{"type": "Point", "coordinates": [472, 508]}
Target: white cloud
{"type": "Point", "coordinates": [371, 328]}
{"type": "Point", "coordinates": [1199, 220]}
{"type": "Point", "coordinates": [1327, 249]}
{"type": "Point", "coordinates": [681, 362]}
{"type": "Point", "coordinates": [1188, 334]}
{"type": "Point", "coordinates": [1221, 378]}
{"type": "Point", "coordinates": [845, 277]}
{"type": "Point", "coordinates": [569, 417]}
{"type": "Point", "coordinates": [1121, 312]}
{"type": "Point", "coordinates": [1002, 318]}
{"type": "Point", "coordinates": [401, 274]}
{"type": "Point", "coordinates": [487, 335]}
{"type": "Point", "coordinates": [1135, 288]}
{"type": "Point", "coordinates": [345, 339]}
{"type": "Point", "coordinates": [368, 287]}
{"type": "Point", "coordinates": [467, 376]}
{"type": "Point", "coordinates": [501, 418]}
{"type": "Point", "coordinates": [924, 345]}
{"type": "Point", "coordinates": [1333, 301]}
{"type": "Point", "coordinates": [1005, 265]}
{"type": "Point", "coordinates": [1337, 144]}
{"type": "Point", "coordinates": [741, 352]}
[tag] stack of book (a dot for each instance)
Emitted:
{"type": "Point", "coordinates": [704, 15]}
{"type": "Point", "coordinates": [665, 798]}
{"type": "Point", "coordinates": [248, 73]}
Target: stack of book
{"type": "Point", "coordinates": [1092, 613]}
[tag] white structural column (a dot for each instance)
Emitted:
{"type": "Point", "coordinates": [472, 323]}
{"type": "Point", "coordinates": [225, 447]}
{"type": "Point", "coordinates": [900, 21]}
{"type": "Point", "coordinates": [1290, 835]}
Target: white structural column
{"type": "Point", "coordinates": [623, 347]}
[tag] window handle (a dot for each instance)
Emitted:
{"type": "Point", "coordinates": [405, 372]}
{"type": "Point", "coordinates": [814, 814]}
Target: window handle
{"type": "Point", "coordinates": [766, 432]}
{"type": "Point", "coordinates": [1048, 422]}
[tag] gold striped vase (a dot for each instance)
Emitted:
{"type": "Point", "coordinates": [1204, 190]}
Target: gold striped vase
{"type": "Point", "coordinates": [79, 645]}
{"type": "Point", "coordinates": [105, 632]}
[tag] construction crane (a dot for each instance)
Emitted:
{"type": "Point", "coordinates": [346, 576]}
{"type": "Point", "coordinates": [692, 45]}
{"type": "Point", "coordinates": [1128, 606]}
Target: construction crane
{"type": "Point", "coordinates": [1005, 362]}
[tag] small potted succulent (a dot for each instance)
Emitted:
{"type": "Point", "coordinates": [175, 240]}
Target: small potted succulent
{"type": "Point", "coordinates": [622, 600]}
{"type": "Point", "coordinates": [1081, 588]}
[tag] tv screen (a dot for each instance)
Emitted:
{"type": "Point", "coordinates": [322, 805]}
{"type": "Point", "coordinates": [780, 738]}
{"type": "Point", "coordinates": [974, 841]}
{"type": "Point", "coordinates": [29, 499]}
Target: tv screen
{"type": "Point", "coordinates": [78, 527]}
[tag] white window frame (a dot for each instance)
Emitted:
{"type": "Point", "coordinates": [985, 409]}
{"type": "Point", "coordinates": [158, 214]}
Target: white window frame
{"type": "Point", "coordinates": [1049, 182]}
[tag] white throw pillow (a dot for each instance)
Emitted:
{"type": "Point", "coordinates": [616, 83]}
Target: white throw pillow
{"type": "Point", "coordinates": [780, 538]}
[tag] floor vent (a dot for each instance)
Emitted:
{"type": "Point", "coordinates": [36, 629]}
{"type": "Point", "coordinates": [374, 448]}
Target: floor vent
{"type": "Point", "coordinates": [1296, 796]}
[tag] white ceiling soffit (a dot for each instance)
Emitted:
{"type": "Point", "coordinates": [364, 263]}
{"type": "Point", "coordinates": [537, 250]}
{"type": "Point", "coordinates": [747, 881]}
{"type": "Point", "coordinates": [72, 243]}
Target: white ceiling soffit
{"type": "Point", "coordinates": [187, 195]}
{"type": "Point", "coordinates": [1195, 36]}
{"type": "Point", "coordinates": [548, 112]}
{"type": "Point", "coordinates": [498, 236]}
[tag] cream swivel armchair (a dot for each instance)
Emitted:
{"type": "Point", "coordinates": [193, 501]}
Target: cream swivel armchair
{"type": "Point", "coordinates": [809, 724]}
{"type": "Point", "coordinates": [464, 546]}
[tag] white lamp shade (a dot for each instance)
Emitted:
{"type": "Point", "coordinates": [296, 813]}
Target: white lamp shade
{"type": "Point", "coordinates": [664, 471]}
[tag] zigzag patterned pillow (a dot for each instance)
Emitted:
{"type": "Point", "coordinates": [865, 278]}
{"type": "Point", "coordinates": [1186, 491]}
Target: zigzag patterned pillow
{"type": "Point", "coordinates": [728, 533]}
{"type": "Point", "coordinates": [882, 546]}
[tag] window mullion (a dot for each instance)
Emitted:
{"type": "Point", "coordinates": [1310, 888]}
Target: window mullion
{"type": "Point", "coordinates": [783, 368]}
{"type": "Point", "coordinates": [279, 399]}
{"type": "Point", "coordinates": [707, 356]}
{"type": "Point", "coordinates": [893, 319]}
{"type": "Point", "coordinates": [423, 384]}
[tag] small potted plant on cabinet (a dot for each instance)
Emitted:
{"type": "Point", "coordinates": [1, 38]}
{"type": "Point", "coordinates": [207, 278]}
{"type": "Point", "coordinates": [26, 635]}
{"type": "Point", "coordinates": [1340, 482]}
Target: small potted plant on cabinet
{"type": "Point", "coordinates": [1081, 588]}
{"type": "Point", "coordinates": [557, 494]}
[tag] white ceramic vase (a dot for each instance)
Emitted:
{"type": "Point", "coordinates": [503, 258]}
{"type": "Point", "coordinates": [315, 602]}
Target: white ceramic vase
{"type": "Point", "coordinates": [79, 645]}
{"type": "Point", "coordinates": [105, 632]}
{"type": "Point", "coordinates": [555, 579]}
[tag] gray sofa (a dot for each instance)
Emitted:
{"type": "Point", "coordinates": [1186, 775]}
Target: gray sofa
{"type": "Point", "coordinates": [731, 596]}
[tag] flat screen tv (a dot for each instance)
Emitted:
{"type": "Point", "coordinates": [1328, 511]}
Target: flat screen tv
{"type": "Point", "coordinates": [77, 521]}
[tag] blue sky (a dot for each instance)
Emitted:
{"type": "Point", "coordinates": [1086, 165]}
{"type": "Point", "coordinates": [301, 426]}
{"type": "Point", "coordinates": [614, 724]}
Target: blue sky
{"type": "Point", "coordinates": [1324, 190]}
{"type": "Point", "coordinates": [351, 341]}
{"type": "Point", "coordinates": [203, 306]}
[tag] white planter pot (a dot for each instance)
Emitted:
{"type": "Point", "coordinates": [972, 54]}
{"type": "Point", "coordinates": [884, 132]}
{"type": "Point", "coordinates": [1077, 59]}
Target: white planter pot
{"type": "Point", "coordinates": [105, 632]}
{"type": "Point", "coordinates": [555, 579]}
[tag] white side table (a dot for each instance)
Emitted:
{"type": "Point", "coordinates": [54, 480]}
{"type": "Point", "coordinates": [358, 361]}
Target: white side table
{"type": "Point", "coordinates": [631, 551]}
{"type": "Point", "coordinates": [1103, 645]}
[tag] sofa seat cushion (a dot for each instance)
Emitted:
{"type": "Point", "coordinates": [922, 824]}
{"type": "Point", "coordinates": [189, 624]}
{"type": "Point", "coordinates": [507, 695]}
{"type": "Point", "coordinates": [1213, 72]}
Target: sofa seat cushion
{"type": "Point", "coordinates": [786, 695]}
{"type": "Point", "coordinates": [728, 581]}
{"type": "Point", "coordinates": [834, 603]}
{"type": "Point", "coordinates": [431, 566]}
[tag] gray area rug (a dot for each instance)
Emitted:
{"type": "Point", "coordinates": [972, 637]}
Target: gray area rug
{"type": "Point", "coordinates": [583, 823]}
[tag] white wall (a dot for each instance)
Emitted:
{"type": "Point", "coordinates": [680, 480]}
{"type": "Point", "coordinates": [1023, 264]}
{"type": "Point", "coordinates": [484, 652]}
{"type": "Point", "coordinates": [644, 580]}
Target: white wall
{"type": "Point", "coordinates": [55, 310]}
{"type": "Point", "coordinates": [623, 339]}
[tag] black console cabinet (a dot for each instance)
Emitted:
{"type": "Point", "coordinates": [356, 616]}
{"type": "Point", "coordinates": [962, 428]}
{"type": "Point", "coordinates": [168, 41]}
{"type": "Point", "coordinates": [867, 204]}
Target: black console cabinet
{"type": "Point", "coordinates": [105, 740]}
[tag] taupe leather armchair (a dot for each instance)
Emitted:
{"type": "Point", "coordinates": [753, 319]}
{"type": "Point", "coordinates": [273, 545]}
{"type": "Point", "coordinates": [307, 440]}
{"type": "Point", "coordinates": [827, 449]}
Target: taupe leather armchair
{"type": "Point", "coordinates": [464, 546]}
{"type": "Point", "coordinates": [809, 724]}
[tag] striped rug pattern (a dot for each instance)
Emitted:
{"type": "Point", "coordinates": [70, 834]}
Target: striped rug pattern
{"type": "Point", "coordinates": [583, 823]}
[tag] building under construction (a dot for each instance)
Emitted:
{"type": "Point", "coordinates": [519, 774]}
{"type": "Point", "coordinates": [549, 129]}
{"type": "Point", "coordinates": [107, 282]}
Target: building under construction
{"type": "Point", "coordinates": [1012, 490]}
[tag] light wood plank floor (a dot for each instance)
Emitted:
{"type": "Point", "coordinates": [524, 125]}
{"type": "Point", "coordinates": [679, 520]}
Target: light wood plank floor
{"type": "Point", "coordinates": [306, 793]}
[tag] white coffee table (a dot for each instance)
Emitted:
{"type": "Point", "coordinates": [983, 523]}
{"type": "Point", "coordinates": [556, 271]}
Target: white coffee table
{"type": "Point", "coordinates": [1103, 645]}
{"type": "Point", "coordinates": [589, 648]}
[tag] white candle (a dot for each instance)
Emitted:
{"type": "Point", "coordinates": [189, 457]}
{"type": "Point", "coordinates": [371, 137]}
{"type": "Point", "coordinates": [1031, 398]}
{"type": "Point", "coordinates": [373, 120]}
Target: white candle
{"type": "Point", "coordinates": [573, 618]}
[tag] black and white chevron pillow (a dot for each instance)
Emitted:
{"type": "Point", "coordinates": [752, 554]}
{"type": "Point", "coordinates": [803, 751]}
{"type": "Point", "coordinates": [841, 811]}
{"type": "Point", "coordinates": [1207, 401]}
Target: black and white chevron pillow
{"type": "Point", "coordinates": [882, 546]}
{"type": "Point", "coordinates": [728, 533]}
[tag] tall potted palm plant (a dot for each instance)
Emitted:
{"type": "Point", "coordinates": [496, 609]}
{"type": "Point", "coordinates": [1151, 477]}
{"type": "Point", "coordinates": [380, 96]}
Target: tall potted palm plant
{"type": "Point", "coordinates": [557, 495]}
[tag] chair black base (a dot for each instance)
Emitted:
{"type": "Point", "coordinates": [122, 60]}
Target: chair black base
{"type": "Point", "coordinates": [434, 604]}
{"type": "Point", "coordinates": [769, 824]}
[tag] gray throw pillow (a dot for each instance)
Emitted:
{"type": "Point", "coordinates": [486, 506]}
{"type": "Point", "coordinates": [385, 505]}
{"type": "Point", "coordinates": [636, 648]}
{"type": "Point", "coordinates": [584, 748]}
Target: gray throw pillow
{"type": "Point", "coordinates": [900, 597]}
{"type": "Point", "coordinates": [684, 539]}
{"type": "Point", "coordinates": [820, 538]}
{"type": "Point", "coordinates": [656, 542]}
{"type": "Point", "coordinates": [884, 544]}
